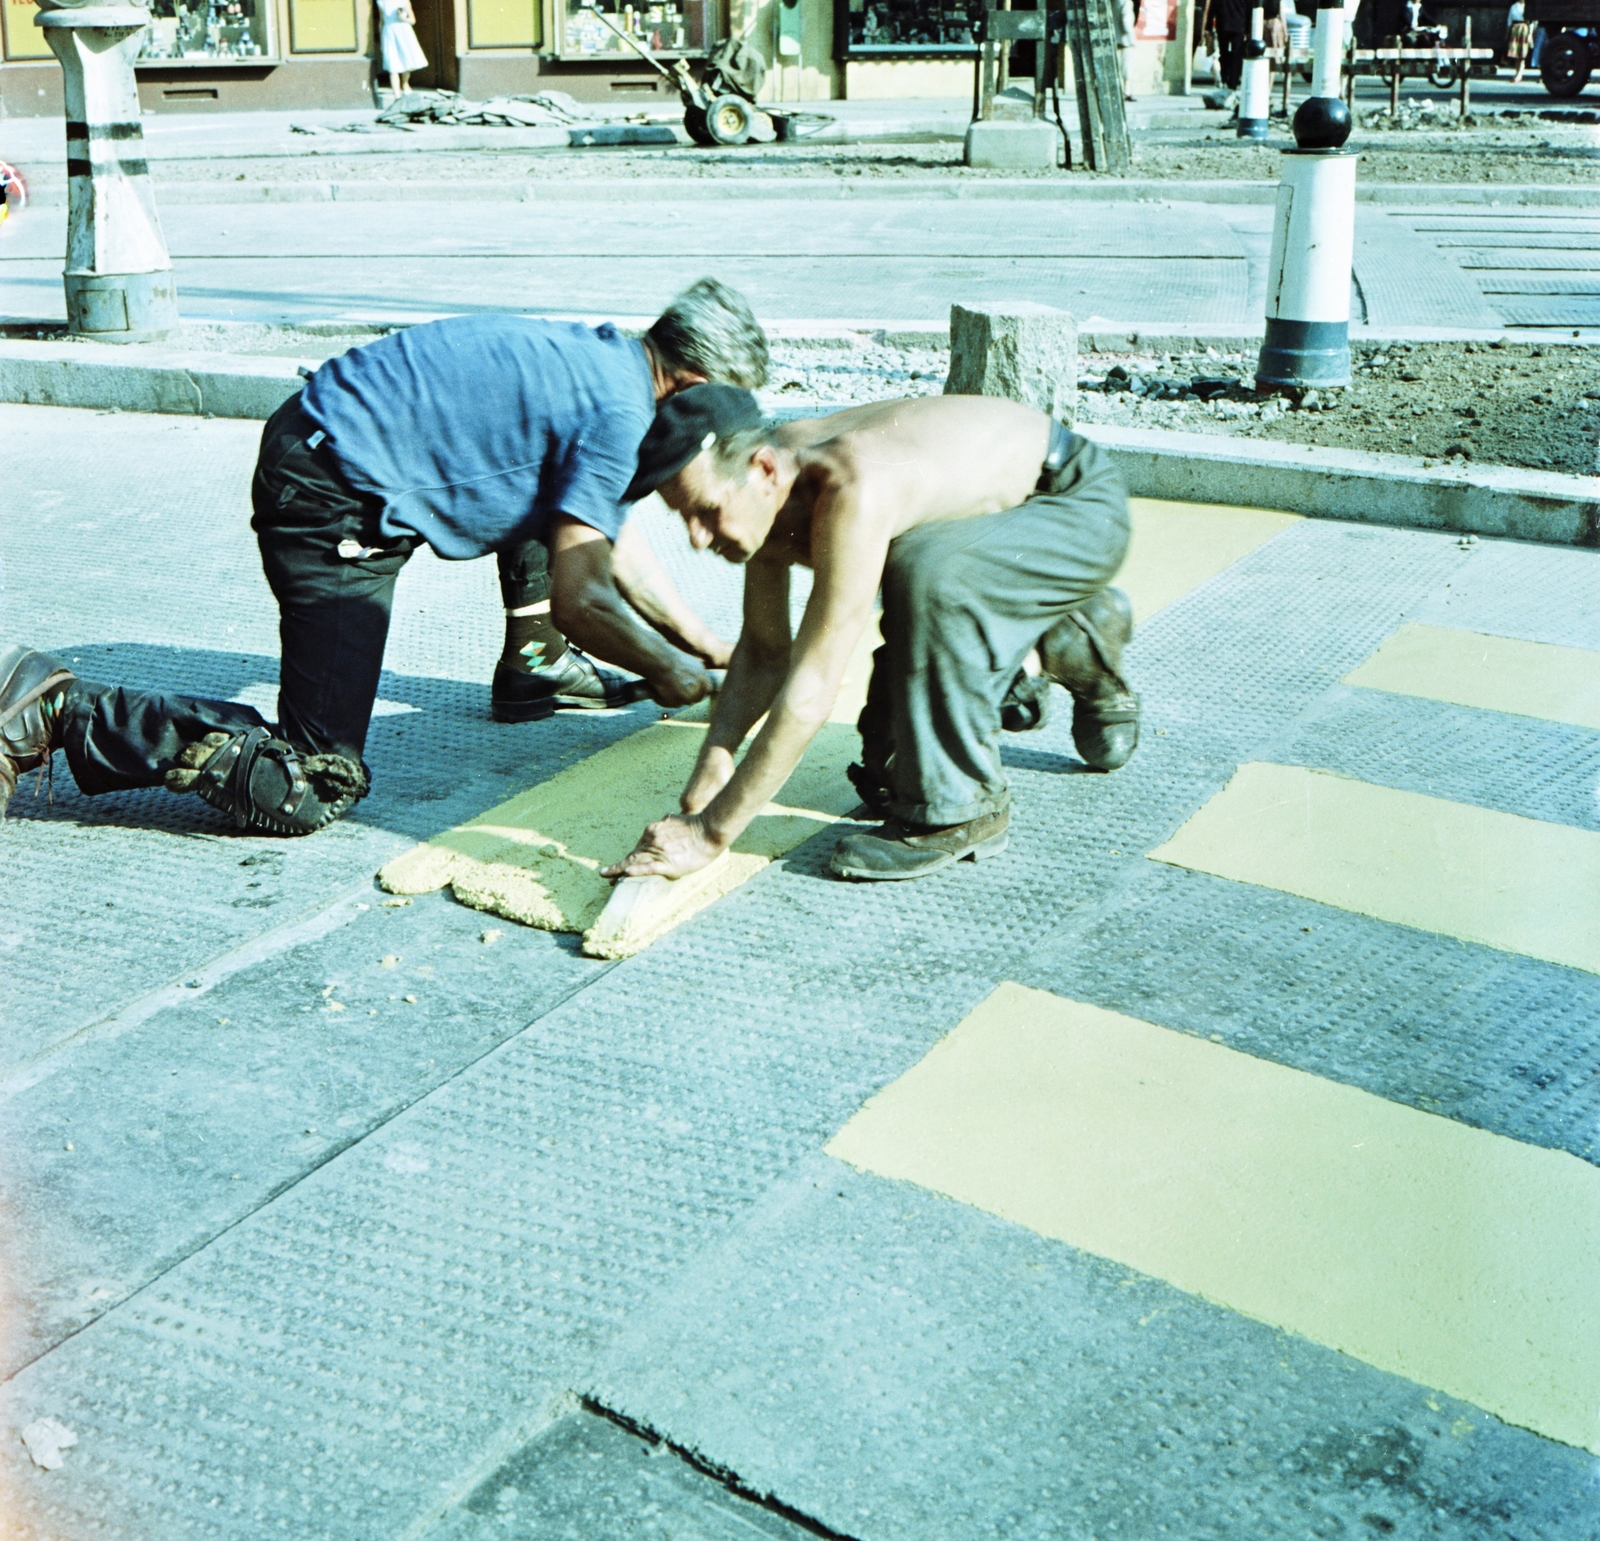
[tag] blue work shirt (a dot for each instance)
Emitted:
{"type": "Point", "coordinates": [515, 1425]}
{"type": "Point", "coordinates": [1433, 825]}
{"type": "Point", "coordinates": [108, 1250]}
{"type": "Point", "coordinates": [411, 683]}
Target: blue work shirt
{"type": "Point", "coordinates": [477, 431]}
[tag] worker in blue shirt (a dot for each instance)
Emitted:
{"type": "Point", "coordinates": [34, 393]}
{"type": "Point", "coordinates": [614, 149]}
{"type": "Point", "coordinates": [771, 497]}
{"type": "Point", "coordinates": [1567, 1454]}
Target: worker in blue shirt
{"type": "Point", "coordinates": [472, 435]}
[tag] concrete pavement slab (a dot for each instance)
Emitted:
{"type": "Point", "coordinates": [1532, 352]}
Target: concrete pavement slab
{"type": "Point", "coordinates": [410, 1310]}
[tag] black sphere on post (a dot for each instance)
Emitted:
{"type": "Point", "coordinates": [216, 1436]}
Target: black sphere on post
{"type": "Point", "coordinates": [1321, 123]}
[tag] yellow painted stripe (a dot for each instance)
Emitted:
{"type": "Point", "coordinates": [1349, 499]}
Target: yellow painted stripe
{"type": "Point", "coordinates": [1497, 674]}
{"type": "Point", "coordinates": [1457, 1258]}
{"type": "Point", "coordinates": [1177, 546]}
{"type": "Point", "coordinates": [536, 858]}
{"type": "Point", "coordinates": [1518, 884]}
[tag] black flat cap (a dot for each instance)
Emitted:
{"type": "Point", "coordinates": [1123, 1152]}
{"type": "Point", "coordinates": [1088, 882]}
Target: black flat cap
{"type": "Point", "coordinates": [685, 424]}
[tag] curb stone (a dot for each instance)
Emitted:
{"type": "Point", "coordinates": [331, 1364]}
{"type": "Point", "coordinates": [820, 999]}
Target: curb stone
{"type": "Point", "coordinates": [1357, 485]}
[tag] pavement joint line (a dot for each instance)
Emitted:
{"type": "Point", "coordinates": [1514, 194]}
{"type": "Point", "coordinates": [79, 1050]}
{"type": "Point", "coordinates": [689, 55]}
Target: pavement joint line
{"type": "Point", "coordinates": [519, 1432]}
{"type": "Point", "coordinates": [200, 981]}
{"type": "Point", "coordinates": [707, 1467]}
{"type": "Point", "coordinates": [289, 1184]}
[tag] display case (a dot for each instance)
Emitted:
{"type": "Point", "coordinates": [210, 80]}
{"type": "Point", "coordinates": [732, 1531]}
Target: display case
{"type": "Point", "coordinates": [672, 28]}
{"type": "Point", "coordinates": [866, 29]}
{"type": "Point", "coordinates": [209, 32]}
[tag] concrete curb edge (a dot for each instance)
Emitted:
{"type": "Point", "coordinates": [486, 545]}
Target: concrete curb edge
{"type": "Point", "coordinates": [1186, 467]}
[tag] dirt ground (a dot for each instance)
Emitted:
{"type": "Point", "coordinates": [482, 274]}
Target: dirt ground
{"type": "Point", "coordinates": [1513, 152]}
{"type": "Point", "coordinates": [1518, 404]}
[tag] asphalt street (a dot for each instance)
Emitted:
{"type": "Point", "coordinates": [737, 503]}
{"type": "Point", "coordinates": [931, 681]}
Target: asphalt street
{"type": "Point", "coordinates": [342, 1218]}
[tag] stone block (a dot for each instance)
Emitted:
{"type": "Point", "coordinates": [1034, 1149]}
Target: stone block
{"type": "Point", "coordinates": [999, 146]}
{"type": "Point", "coordinates": [1016, 349]}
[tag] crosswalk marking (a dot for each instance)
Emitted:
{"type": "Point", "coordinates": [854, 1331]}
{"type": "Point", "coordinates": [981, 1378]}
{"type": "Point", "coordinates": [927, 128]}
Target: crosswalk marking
{"type": "Point", "coordinates": [1460, 1259]}
{"type": "Point", "coordinates": [1517, 884]}
{"type": "Point", "coordinates": [1497, 674]}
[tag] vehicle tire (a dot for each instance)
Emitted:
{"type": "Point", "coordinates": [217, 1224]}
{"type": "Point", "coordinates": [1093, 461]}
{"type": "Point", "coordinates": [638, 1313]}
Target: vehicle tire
{"type": "Point", "coordinates": [1565, 65]}
{"type": "Point", "coordinates": [694, 125]}
{"type": "Point", "coordinates": [729, 120]}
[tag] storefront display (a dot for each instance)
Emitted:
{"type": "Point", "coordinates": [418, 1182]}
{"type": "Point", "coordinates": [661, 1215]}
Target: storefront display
{"type": "Point", "coordinates": [672, 27]}
{"type": "Point", "coordinates": [212, 30]}
{"type": "Point", "coordinates": [864, 28]}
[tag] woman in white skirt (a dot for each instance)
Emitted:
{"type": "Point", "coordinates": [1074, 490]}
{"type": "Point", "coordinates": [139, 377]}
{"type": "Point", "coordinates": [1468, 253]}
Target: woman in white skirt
{"type": "Point", "coordinates": [400, 49]}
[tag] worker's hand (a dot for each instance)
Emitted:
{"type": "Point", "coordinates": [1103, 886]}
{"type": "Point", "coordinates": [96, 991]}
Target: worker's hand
{"type": "Point", "coordinates": [710, 777]}
{"type": "Point", "coordinates": [672, 847]}
{"type": "Point", "coordinates": [683, 684]}
{"type": "Point", "coordinates": [716, 653]}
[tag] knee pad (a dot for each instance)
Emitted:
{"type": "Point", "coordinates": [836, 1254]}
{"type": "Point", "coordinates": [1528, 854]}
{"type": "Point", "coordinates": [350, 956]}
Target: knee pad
{"type": "Point", "coordinates": [266, 785]}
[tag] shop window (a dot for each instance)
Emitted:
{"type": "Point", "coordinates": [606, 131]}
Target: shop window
{"type": "Point", "coordinates": [212, 30]}
{"type": "Point", "coordinates": [863, 28]}
{"type": "Point", "coordinates": [674, 27]}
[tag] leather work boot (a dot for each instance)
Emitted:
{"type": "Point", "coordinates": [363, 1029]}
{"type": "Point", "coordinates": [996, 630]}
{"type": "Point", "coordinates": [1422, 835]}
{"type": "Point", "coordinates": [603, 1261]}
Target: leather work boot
{"type": "Point", "coordinates": [28, 681]}
{"type": "Point", "coordinates": [1026, 707]}
{"type": "Point", "coordinates": [1083, 652]}
{"type": "Point", "coordinates": [896, 850]}
{"type": "Point", "coordinates": [574, 681]}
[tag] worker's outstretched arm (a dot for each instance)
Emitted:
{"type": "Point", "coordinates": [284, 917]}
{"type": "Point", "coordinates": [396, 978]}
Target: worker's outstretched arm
{"type": "Point", "coordinates": [645, 585]}
{"type": "Point", "coordinates": [587, 607]}
{"type": "Point", "coordinates": [756, 674]}
{"type": "Point", "coordinates": [849, 542]}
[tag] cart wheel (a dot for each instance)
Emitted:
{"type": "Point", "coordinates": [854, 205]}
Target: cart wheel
{"type": "Point", "coordinates": [729, 120]}
{"type": "Point", "coordinates": [694, 124]}
{"type": "Point", "coordinates": [1564, 66]}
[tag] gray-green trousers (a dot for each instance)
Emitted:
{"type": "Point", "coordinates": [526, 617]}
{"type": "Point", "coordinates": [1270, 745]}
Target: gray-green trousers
{"type": "Point", "coordinates": [964, 602]}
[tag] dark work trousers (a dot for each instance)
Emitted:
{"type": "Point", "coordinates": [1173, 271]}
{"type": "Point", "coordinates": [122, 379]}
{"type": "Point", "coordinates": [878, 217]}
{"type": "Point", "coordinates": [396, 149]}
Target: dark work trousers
{"type": "Point", "coordinates": [1230, 57]}
{"type": "Point", "coordinates": [333, 623]}
{"type": "Point", "coordinates": [524, 574]}
{"type": "Point", "coordinates": [964, 602]}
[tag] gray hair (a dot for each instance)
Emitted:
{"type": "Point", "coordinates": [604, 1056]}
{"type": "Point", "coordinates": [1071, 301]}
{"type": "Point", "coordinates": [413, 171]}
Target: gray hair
{"type": "Point", "coordinates": [710, 330]}
{"type": "Point", "coordinates": [730, 455]}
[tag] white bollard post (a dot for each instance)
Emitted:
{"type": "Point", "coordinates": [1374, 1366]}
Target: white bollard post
{"type": "Point", "coordinates": [1327, 52]}
{"type": "Point", "coordinates": [1307, 340]}
{"type": "Point", "coordinates": [118, 276]}
{"type": "Point", "coordinates": [1255, 92]}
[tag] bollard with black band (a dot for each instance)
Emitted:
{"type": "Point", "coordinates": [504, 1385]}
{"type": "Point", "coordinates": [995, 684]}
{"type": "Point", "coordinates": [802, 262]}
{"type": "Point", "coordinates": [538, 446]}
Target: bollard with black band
{"type": "Point", "coordinates": [1307, 340]}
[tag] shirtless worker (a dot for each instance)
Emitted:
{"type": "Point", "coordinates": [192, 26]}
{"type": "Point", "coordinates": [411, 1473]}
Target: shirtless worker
{"type": "Point", "coordinates": [471, 435]}
{"type": "Point", "coordinates": [991, 530]}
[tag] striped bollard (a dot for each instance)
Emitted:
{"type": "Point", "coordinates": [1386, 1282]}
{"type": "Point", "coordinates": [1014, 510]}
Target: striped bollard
{"type": "Point", "coordinates": [1256, 88]}
{"type": "Point", "coordinates": [118, 276]}
{"type": "Point", "coordinates": [1307, 340]}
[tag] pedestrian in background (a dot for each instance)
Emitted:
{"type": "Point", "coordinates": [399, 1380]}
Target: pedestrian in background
{"type": "Point", "coordinates": [400, 51]}
{"type": "Point", "coordinates": [1519, 39]}
{"type": "Point", "coordinates": [1231, 18]}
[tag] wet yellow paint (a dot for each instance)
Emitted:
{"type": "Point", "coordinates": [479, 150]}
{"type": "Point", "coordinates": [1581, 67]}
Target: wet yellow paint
{"type": "Point", "coordinates": [1497, 674]}
{"type": "Point", "coordinates": [1177, 546]}
{"type": "Point", "coordinates": [1460, 1259]}
{"type": "Point", "coordinates": [1518, 884]}
{"type": "Point", "coordinates": [537, 858]}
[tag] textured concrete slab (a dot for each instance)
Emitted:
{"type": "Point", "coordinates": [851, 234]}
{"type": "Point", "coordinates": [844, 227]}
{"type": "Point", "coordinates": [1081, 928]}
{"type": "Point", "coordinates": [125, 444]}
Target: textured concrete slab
{"type": "Point", "coordinates": [410, 1311]}
{"type": "Point", "coordinates": [1498, 674]}
{"type": "Point", "coordinates": [902, 1366]}
{"type": "Point", "coordinates": [585, 1477]}
{"type": "Point", "coordinates": [1459, 1259]}
{"type": "Point", "coordinates": [1469, 872]}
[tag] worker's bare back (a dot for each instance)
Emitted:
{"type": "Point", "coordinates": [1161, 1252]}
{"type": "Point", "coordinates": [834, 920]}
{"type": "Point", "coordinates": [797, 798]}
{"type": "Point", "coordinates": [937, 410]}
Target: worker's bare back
{"type": "Point", "coordinates": [918, 461]}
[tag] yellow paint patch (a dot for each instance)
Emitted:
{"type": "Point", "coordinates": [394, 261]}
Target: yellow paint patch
{"type": "Point", "coordinates": [537, 858]}
{"type": "Point", "coordinates": [1518, 884]}
{"type": "Point", "coordinates": [1496, 674]}
{"type": "Point", "coordinates": [1459, 1259]}
{"type": "Point", "coordinates": [1178, 546]}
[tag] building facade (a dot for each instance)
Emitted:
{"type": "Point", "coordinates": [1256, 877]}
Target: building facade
{"type": "Point", "coordinates": [243, 55]}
